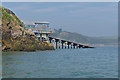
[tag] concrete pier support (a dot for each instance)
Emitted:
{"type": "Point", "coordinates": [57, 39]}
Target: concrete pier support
{"type": "Point", "coordinates": [68, 46]}
{"type": "Point", "coordinates": [71, 45]}
{"type": "Point", "coordinates": [56, 40]}
{"type": "Point", "coordinates": [62, 45]}
{"type": "Point", "coordinates": [80, 46]}
{"type": "Point", "coordinates": [65, 44]}
{"type": "Point", "coordinates": [53, 41]}
{"type": "Point", "coordinates": [50, 40]}
{"type": "Point", "coordinates": [56, 44]}
{"type": "Point", "coordinates": [59, 43]}
{"type": "Point", "coordinates": [77, 45]}
{"type": "Point", "coordinates": [74, 46]}
{"type": "Point", "coordinates": [42, 39]}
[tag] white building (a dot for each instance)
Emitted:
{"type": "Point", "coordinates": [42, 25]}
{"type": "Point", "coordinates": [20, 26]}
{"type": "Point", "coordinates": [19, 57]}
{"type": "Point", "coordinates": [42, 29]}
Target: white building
{"type": "Point", "coordinates": [40, 28]}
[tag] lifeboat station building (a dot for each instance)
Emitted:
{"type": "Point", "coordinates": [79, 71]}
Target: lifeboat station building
{"type": "Point", "coordinates": [40, 28]}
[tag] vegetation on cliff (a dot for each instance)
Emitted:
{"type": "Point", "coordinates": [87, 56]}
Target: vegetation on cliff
{"type": "Point", "coordinates": [16, 38]}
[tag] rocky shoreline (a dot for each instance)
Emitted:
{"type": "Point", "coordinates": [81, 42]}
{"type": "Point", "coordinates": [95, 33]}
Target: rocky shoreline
{"type": "Point", "coordinates": [25, 43]}
{"type": "Point", "coordinates": [15, 37]}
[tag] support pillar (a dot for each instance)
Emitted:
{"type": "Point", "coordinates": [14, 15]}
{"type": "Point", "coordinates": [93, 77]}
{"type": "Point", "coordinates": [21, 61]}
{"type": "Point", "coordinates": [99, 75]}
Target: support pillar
{"type": "Point", "coordinates": [65, 44]}
{"type": "Point", "coordinates": [62, 45]}
{"type": "Point", "coordinates": [77, 46]}
{"type": "Point", "coordinates": [50, 40]}
{"type": "Point", "coordinates": [56, 44]}
{"type": "Point", "coordinates": [59, 44]}
{"type": "Point", "coordinates": [39, 38]}
{"type": "Point", "coordinates": [71, 45]}
{"type": "Point", "coordinates": [74, 46]}
{"type": "Point", "coordinates": [68, 45]}
{"type": "Point", "coordinates": [42, 39]}
{"type": "Point", "coordinates": [53, 42]}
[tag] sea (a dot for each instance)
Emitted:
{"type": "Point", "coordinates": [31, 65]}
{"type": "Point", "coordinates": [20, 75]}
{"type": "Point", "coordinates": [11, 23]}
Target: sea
{"type": "Point", "coordinates": [98, 62]}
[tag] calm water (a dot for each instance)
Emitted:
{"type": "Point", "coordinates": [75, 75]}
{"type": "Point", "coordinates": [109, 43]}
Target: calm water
{"type": "Point", "coordinates": [62, 63]}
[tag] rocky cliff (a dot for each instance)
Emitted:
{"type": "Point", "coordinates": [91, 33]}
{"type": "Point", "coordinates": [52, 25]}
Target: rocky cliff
{"type": "Point", "coordinates": [16, 38]}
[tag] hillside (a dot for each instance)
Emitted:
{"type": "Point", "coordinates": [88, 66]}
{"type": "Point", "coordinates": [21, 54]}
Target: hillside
{"type": "Point", "coordinates": [84, 39]}
{"type": "Point", "coordinates": [16, 38]}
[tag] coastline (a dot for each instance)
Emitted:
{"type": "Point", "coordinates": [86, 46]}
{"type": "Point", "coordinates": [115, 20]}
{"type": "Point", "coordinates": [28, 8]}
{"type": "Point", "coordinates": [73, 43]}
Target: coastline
{"type": "Point", "coordinates": [15, 37]}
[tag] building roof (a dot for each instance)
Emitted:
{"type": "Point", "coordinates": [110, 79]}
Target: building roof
{"type": "Point", "coordinates": [42, 22]}
{"type": "Point", "coordinates": [35, 22]}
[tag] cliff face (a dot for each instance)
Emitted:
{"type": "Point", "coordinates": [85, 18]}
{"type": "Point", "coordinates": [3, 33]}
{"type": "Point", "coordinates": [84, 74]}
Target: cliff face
{"type": "Point", "coordinates": [16, 38]}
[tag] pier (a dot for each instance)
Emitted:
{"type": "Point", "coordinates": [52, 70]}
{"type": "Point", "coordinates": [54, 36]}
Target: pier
{"type": "Point", "coordinates": [61, 43]}
{"type": "Point", "coordinates": [42, 32]}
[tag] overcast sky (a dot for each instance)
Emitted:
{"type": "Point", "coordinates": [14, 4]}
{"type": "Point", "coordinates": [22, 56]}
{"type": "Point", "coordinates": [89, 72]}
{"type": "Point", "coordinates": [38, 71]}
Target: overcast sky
{"type": "Point", "coordinates": [87, 18]}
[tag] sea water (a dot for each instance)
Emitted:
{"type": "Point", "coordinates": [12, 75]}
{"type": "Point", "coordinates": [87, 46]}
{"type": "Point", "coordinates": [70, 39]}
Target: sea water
{"type": "Point", "coordinates": [99, 62]}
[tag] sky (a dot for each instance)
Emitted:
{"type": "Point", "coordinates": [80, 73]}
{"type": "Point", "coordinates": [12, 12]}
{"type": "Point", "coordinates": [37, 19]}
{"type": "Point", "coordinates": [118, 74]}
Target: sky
{"type": "Point", "coordinates": [88, 18]}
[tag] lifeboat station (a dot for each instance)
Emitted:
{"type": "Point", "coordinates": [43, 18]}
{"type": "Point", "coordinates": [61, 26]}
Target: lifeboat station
{"type": "Point", "coordinates": [42, 32]}
{"type": "Point", "coordinates": [40, 28]}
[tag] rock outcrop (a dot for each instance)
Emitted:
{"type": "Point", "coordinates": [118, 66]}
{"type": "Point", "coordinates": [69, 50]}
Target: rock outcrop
{"type": "Point", "coordinates": [15, 37]}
